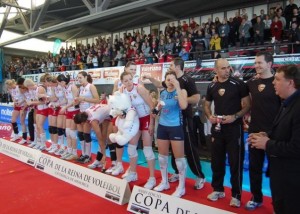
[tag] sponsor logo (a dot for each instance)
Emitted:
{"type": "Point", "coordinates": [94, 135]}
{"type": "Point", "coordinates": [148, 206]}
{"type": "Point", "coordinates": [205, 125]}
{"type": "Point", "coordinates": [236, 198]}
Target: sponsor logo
{"type": "Point", "coordinates": [6, 112]}
{"type": "Point", "coordinates": [5, 127]}
{"type": "Point", "coordinates": [261, 87]}
{"type": "Point", "coordinates": [221, 91]}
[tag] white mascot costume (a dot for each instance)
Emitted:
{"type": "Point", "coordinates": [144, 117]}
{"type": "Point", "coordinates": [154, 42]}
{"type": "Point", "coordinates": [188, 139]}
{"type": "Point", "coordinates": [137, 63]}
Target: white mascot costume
{"type": "Point", "coordinates": [127, 119]}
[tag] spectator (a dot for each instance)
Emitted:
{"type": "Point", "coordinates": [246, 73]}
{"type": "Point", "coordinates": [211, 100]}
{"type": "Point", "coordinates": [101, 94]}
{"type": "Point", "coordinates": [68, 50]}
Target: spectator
{"type": "Point", "coordinates": [276, 29]}
{"type": "Point", "coordinates": [224, 32]}
{"type": "Point", "coordinates": [258, 29]}
{"type": "Point", "coordinates": [294, 38]}
{"type": "Point", "coordinates": [215, 42]}
{"type": "Point", "coordinates": [288, 13]}
{"type": "Point", "coordinates": [244, 33]}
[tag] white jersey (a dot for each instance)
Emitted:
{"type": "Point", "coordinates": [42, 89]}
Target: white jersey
{"type": "Point", "coordinates": [85, 92]}
{"type": "Point", "coordinates": [41, 106]}
{"type": "Point", "coordinates": [69, 96]}
{"type": "Point", "coordinates": [60, 95]}
{"type": "Point", "coordinates": [99, 112]}
{"type": "Point", "coordinates": [17, 96]}
{"type": "Point", "coordinates": [138, 102]}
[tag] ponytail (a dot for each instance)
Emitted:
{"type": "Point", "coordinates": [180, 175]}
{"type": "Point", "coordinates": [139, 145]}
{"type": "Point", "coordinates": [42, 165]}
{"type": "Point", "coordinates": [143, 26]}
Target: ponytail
{"type": "Point", "coordinates": [88, 76]}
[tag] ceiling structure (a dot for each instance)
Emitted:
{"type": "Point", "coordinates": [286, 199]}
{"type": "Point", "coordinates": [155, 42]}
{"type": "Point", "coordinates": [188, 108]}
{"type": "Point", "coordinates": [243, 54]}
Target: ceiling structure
{"type": "Point", "coordinates": [71, 19]}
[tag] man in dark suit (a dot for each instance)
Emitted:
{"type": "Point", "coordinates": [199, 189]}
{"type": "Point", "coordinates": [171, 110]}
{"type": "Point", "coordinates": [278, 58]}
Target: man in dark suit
{"type": "Point", "coordinates": [282, 144]}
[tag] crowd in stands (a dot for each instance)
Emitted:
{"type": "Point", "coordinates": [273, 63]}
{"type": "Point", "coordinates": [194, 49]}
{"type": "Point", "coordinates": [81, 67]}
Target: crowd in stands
{"type": "Point", "coordinates": [187, 40]}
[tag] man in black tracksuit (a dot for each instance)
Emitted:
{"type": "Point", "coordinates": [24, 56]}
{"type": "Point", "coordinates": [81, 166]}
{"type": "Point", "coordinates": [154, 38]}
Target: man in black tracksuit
{"type": "Point", "coordinates": [232, 101]}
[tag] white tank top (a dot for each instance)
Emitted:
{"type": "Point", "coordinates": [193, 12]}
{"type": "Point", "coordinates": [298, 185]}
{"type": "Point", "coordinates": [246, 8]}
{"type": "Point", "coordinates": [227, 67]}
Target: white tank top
{"type": "Point", "coordinates": [69, 96]}
{"type": "Point", "coordinates": [17, 96]}
{"type": "Point", "coordinates": [59, 93]}
{"type": "Point", "coordinates": [138, 102]}
{"type": "Point", "coordinates": [28, 96]}
{"type": "Point", "coordinates": [85, 92]}
{"type": "Point", "coordinates": [99, 112]}
{"type": "Point", "coordinates": [41, 106]}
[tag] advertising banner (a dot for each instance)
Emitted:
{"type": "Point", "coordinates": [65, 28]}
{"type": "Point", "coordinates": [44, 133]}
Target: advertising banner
{"type": "Point", "coordinates": [103, 185]}
{"type": "Point", "coordinates": [147, 201]}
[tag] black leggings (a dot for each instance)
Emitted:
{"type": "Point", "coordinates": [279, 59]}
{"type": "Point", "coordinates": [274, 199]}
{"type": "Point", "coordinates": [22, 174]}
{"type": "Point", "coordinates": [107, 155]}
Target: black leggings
{"type": "Point", "coordinates": [31, 124]}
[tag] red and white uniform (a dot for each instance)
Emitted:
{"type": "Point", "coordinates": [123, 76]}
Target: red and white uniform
{"type": "Point", "coordinates": [60, 95]}
{"type": "Point", "coordinates": [71, 111]}
{"type": "Point", "coordinates": [85, 92]}
{"type": "Point", "coordinates": [17, 97]}
{"type": "Point", "coordinates": [99, 112]}
{"type": "Point", "coordinates": [138, 102]}
{"type": "Point", "coordinates": [41, 108]}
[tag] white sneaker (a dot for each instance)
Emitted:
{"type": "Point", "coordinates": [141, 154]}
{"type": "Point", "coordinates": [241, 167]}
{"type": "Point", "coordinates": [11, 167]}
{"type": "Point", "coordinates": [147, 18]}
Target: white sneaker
{"type": "Point", "coordinates": [150, 183]}
{"type": "Point", "coordinates": [59, 151]}
{"type": "Point", "coordinates": [64, 152]}
{"type": "Point", "coordinates": [132, 176]}
{"type": "Point", "coordinates": [49, 148]}
{"type": "Point", "coordinates": [110, 169]}
{"type": "Point", "coordinates": [37, 146]}
{"type": "Point", "coordinates": [173, 178]}
{"type": "Point", "coordinates": [42, 148]}
{"type": "Point", "coordinates": [199, 184]}
{"type": "Point", "coordinates": [53, 150]}
{"type": "Point", "coordinates": [71, 157]}
{"type": "Point", "coordinates": [215, 195]}
{"type": "Point", "coordinates": [15, 137]}
{"type": "Point", "coordinates": [23, 141]}
{"type": "Point", "coordinates": [32, 144]}
{"type": "Point", "coordinates": [126, 173]}
{"type": "Point", "coordinates": [162, 186]}
{"type": "Point", "coordinates": [64, 157]}
{"type": "Point", "coordinates": [179, 192]}
{"type": "Point", "coordinates": [95, 164]}
{"type": "Point", "coordinates": [118, 170]}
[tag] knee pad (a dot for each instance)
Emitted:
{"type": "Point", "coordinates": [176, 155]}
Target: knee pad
{"type": "Point", "coordinates": [87, 137]}
{"type": "Point", "coordinates": [148, 152]}
{"type": "Point", "coordinates": [118, 146]}
{"type": "Point", "coordinates": [54, 130]}
{"type": "Point", "coordinates": [60, 131]}
{"type": "Point", "coordinates": [68, 132]}
{"type": "Point", "coordinates": [72, 134]}
{"type": "Point", "coordinates": [132, 153]}
{"type": "Point", "coordinates": [80, 136]}
{"type": "Point", "coordinates": [163, 161]}
{"type": "Point", "coordinates": [50, 129]}
{"type": "Point", "coordinates": [181, 164]}
{"type": "Point", "coordinates": [112, 149]}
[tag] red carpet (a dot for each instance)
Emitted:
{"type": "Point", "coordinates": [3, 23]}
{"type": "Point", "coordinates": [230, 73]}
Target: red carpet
{"type": "Point", "coordinates": [26, 190]}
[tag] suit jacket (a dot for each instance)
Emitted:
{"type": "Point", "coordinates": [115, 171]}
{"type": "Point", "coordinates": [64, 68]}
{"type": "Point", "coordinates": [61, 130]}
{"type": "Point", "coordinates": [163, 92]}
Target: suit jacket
{"type": "Point", "coordinates": [283, 150]}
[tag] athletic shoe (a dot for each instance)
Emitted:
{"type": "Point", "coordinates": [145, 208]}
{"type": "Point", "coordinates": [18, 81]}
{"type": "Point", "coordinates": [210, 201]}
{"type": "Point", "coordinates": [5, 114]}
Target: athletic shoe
{"type": "Point", "coordinates": [15, 137]}
{"type": "Point", "coordinates": [84, 159]}
{"type": "Point", "coordinates": [53, 150]}
{"type": "Point", "coordinates": [65, 156]}
{"type": "Point", "coordinates": [214, 196]}
{"type": "Point", "coordinates": [235, 202]}
{"type": "Point", "coordinates": [64, 152]}
{"type": "Point", "coordinates": [49, 148]}
{"type": "Point", "coordinates": [126, 173]}
{"type": "Point", "coordinates": [252, 205]}
{"type": "Point", "coordinates": [32, 144]}
{"type": "Point", "coordinates": [199, 184]}
{"type": "Point", "coordinates": [95, 164]}
{"type": "Point", "coordinates": [117, 170]}
{"type": "Point", "coordinates": [179, 192]}
{"type": "Point", "coordinates": [37, 146]}
{"type": "Point", "coordinates": [23, 141]}
{"type": "Point", "coordinates": [71, 157]}
{"type": "Point", "coordinates": [132, 176]}
{"type": "Point", "coordinates": [162, 186]}
{"type": "Point", "coordinates": [173, 178]}
{"type": "Point", "coordinates": [150, 183]}
{"type": "Point", "coordinates": [42, 148]}
{"type": "Point", "coordinates": [110, 169]}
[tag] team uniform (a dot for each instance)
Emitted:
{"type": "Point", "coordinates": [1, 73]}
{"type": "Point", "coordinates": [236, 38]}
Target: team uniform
{"type": "Point", "coordinates": [170, 120]}
{"type": "Point", "coordinates": [71, 111]}
{"type": "Point", "coordinates": [265, 105]}
{"type": "Point", "coordinates": [143, 110]}
{"type": "Point", "coordinates": [18, 98]}
{"type": "Point", "coordinates": [42, 109]}
{"type": "Point", "coordinates": [85, 92]}
{"type": "Point", "coordinates": [98, 112]}
{"type": "Point", "coordinates": [57, 105]}
{"type": "Point", "coordinates": [190, 144]}
{"type": "Point", "coordinates": [227, 99]}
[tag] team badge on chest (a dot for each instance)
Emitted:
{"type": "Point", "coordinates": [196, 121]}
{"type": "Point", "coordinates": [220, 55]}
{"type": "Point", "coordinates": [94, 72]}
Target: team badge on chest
{"type": "Point", "coordinates": [221, 91]}
{"type": "Point", "coordinates": [261, 87]}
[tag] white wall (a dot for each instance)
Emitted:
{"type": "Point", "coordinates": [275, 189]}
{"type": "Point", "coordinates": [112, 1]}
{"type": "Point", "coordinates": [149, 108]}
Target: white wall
{"type": "Point", "coordinates": [146, 29]}
{"type": "Point", "coordinates": [259, 7]}
{"type": "Point", "coordinates": [204, 18]}
{"type": "Point", "coordinates": [220, 15]}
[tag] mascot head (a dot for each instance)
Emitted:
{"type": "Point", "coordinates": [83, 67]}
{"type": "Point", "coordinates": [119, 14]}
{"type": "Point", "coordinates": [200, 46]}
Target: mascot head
{"type": "Point", "coordinates": [119, 104]}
